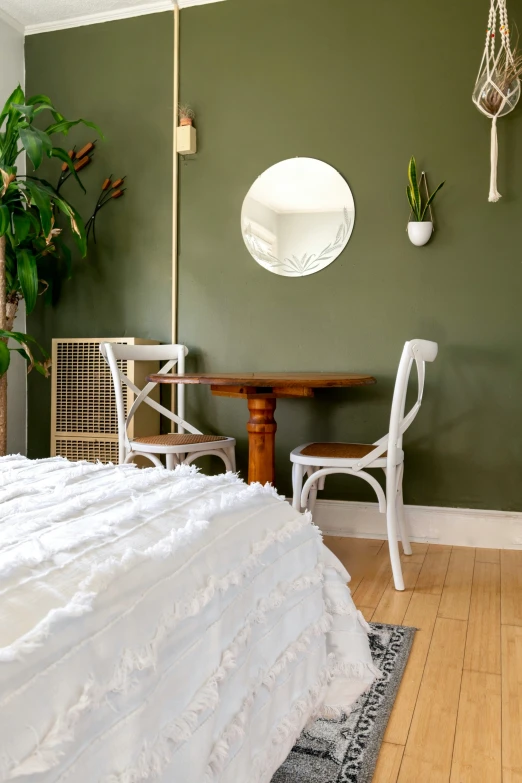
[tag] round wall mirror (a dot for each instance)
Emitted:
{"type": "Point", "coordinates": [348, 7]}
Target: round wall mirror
{"type": "Point", "coordinates": [298, 217]}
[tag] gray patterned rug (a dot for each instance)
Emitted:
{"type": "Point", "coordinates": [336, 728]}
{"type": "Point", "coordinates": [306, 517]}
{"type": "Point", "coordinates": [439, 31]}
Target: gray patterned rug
{"type": "Point", "coordinates": [346, 750]}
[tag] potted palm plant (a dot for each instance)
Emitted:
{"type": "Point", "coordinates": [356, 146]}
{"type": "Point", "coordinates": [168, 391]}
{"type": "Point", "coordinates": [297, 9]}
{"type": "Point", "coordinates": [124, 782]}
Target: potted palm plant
{"type": "Point", "coordinates": [419, 229]}
{"type": "Point", "coordinates": [35, 219]}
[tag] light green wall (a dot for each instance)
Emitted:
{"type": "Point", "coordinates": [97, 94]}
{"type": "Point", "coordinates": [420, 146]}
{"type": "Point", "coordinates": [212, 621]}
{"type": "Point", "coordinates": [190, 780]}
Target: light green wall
{"type": "Point", "coordinates": [362, 86]}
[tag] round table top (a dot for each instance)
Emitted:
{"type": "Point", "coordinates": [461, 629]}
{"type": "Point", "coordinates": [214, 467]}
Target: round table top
{"type": "Point", "coordinates": [312, 380]}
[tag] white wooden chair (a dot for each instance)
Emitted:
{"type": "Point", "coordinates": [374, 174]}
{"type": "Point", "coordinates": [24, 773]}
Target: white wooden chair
{"type": "Point", "coordinates": [319, 460]}
{"type": "Point", "coordinates": [184, 446]}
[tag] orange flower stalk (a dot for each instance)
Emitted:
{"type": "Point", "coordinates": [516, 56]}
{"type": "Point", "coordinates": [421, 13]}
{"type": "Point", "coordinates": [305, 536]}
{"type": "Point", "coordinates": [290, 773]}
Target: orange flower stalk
{"type": "Point", "coordinates": [71, 154]}
{"type": "Point", "coordinates": [86, 150]}
{"type": "Point", "coordinates": [109, 191]}
{"type": "Point", "coordinates": [82, 163]}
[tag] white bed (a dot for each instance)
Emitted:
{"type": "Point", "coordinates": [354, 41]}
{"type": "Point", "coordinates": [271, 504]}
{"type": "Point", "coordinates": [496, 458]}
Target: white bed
{"type": "Point", "coordinates": [159, 626]}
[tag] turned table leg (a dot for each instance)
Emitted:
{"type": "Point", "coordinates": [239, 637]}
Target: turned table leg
{"type": "Point", "coordinates": [261, 429]}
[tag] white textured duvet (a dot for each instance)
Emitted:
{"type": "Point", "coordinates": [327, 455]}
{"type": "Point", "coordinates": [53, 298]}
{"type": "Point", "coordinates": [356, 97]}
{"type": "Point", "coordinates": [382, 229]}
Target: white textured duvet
{"type": "Point", "coordinates": [159, 626]}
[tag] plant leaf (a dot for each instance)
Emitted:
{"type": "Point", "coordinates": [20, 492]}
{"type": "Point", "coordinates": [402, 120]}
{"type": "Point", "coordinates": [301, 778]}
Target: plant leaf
{"type": "Point", "coordinates": [430, 200]}
{"type": "Point", "coordinates": [76, 222]}
{"type": "Point", "coordinates": [412, 176]}
{"type": "Point", "coordinates": [17, 96]}
{"type": "Point", "coordinates": [5, 358]}
{"type": "Point", "coordinates": [5, 220]}
{"type": "Point", "coordinates": [21, 337]}
{"type": "Point", "coordinates": [28, 277]}
{"type": "Point", "coordinates": [64, 126]}
{"type": "Point", "coordinates": [27, 111]}
{"type": "Point", "coordinates": [32, 146]}
{"type": "Point", "coordinates": [23, 222]}
{"type": "Point", "coordinates": [410, 199]}
{"type": "Point", "coordinates": [38, 99]}
{"type": "Point", "coordinates": [58, 152]}
{"type": "Point", "coordinates": [42, 202]}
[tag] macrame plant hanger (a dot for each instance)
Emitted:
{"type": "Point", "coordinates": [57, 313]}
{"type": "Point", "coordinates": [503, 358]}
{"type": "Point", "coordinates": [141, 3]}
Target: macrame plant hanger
{"type": "Point", "coordinates": [497, 88]}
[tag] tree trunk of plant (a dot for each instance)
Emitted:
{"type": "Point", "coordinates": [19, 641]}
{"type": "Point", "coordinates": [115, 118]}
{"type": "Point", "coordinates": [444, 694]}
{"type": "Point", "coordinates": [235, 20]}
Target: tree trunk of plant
{"type": "Point", "coordinates": [3, 378]}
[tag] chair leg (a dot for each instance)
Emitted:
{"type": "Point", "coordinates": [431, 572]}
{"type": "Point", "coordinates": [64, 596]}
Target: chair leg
{"type": "Point", "coordinates": [312, 495]}
{"type": "Point", "coordinates": [171, 461]}
{"type": "Point", "coordinates": [297, 484]}
{"type": "Point", "coordinates": [401, 518]}
{"type": "Point", "coordinates": [232, 457]}
{"type": "Point", "coordinates": [391, 522]}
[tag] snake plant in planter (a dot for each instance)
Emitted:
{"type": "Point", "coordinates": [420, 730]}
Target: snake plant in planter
{"type": "Point", "coordinates": [419, 229]}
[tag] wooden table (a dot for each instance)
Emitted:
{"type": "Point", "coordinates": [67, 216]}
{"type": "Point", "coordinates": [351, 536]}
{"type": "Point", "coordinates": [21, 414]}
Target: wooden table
{"type": "Point", "coordinates": [261, 390]}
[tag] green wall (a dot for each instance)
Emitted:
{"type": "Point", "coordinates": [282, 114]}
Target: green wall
{"type": "Point", "coordinates": [120, 75]}
{"type": "Point", "coordinates": [362, 86]}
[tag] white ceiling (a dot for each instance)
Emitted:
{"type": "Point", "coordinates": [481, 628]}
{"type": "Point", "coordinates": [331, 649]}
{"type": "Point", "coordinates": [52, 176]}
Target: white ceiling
{"type": "Point", "coordinates": [35, 16]}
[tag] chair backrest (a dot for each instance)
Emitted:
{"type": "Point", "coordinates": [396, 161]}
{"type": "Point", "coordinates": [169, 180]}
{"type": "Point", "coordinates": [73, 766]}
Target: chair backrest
{"type": "Point", "coordinates": [174, 355]}
{"type": "Point", "coordinates": [420, 352]}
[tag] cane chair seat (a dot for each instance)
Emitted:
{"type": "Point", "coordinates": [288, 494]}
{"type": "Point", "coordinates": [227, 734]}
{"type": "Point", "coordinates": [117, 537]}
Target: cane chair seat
{"type": "Point", "coordinates": [338, 450]}
{"type": "Point", "coordinates": [173, 439]}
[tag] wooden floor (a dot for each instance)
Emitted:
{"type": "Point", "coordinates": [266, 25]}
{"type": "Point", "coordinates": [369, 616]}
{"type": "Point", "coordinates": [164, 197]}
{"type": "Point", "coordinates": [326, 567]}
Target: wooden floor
{"type": "Point", "coordinates": [458, 713]}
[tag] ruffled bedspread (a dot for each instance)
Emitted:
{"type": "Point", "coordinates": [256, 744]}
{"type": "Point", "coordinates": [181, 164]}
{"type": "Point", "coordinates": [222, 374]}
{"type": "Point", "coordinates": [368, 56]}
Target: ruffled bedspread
{"type": "Point", "coordinates": [163, 626]}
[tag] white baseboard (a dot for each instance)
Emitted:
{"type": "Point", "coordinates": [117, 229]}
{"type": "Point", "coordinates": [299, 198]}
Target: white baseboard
{"type": "Point", "coordinates": [455, 526]}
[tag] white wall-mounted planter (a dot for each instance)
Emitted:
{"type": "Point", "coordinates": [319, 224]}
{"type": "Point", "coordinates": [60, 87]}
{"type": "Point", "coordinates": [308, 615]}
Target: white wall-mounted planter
{"type": "Point", "coordinates": [186, 140]}
{"type": "Point", "coordinates": [420, 233]}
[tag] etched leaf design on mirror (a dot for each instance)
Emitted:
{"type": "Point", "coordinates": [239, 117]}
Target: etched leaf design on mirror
{"type": "Point", "coordinates": [295, 266]}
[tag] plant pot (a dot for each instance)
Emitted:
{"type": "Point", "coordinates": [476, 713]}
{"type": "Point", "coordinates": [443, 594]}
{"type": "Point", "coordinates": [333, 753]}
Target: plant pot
{"type": "Point", "coordinates": [185, 121]}
{"type": "Point", "coordinates": [420, 233]}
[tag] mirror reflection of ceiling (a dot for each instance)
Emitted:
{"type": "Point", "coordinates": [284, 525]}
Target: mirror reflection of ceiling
{"type": "Point", "coordinates": [286, 187]}
{"type": "Point", "coordinates": [298, 217]}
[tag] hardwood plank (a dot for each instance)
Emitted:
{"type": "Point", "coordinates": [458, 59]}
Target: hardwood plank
{"type": "Point", "coordinates": [438, 548]}
{"type": "Point", "coordinates": [415, 558]}
{"type": "Point", "coordinates": [343, 544]}
{"type": "Point", "coordinates": [367, 612]}
{"type": "Point", "coordinates": [418, 553]}
{"type": "Point", "coordinates": [375, 579]}
{"type": "Point", "coordinates": [477, 754]}
{"type": "Point", "coordinates": [483, 642]}
{"type": "Point", "coordinates": [419, 546]}
{"type": "Point", "coordinates": [421, 614]}
{"type": "Point", "coordinates": [433, 573]}
{"type": "Point", "coordinates": [456, 593]}
{"type": "Point", "coordinates": [429, 747]}
{"type": "Point", "coordinates": [512, 703]}
{"type": "Point", "coordinates": [393, 605]}
{"type": "Point", "coordinates": [511, 586]}
{"type": "Point", "coordinates": [487, 555]}
{"type": "Point", "coordinates": [388, 763]}
{"type": "Point", "coordinates": [508, 776]}
{"type": "Point", "coordinates": [355, 554]}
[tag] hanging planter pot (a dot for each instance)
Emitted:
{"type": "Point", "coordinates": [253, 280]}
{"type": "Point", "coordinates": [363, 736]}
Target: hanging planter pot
{"type": "Point", "coordinates": [419, 229]}
{"type": "Point", "coordinates": [497, 89]}
{"type": "Point", "coordinates": [420, 232]}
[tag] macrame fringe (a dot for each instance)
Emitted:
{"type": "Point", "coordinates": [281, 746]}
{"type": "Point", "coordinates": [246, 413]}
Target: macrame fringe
{"type": "Point", "coordinates": [494, 195]}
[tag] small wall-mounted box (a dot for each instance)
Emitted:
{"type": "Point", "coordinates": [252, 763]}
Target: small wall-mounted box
{"type": "Point", "coordinates": [186, 140]}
